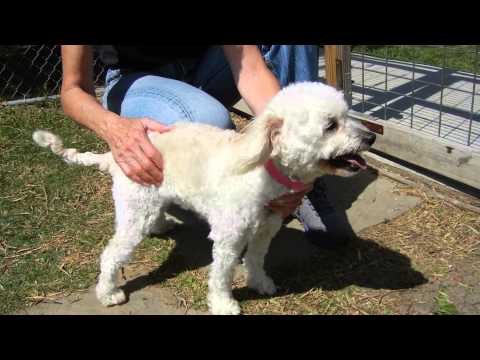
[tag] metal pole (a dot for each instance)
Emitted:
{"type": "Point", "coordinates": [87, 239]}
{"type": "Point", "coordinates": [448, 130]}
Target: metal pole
{"type": "Point", "coordinates": [441, 89]}
{"type": "Point", "coordinates": [30, 100]}
{"type": "Point", "coordinates": [346, 60]}
{"type": "Point", "coordinates": [413, 93]}
{"type": "Point", "coordinates": [386, 84]}
{"type": "Point", "coordinates": [363, 80]}
{"type": "Point", "coordinates": [472, 108]}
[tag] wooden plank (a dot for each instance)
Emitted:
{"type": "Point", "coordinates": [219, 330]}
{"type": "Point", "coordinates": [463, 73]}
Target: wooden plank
{"type": "Point", "coordinates": [338, 68]}
{"type": "Point", "coordinates": [443, 157]}
{"type": "Point", "coordinates": [374, 127]}
{"type": "Point", "coordinates": [344, 56]}
{"type": "Point", "coordinates": [331, 71]}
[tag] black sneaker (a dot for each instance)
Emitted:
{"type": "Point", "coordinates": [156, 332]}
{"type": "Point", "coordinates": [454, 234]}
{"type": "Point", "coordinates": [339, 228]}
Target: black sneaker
{"type": "Point", "coordinates": [323, 225]}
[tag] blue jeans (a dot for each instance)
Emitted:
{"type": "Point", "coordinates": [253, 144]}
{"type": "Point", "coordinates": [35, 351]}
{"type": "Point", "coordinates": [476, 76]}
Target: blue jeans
{"type": "Point", "coordinates": [199, 91]}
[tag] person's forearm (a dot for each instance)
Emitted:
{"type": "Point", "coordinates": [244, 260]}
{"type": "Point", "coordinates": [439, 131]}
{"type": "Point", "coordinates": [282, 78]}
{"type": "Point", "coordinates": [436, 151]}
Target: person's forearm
{"type": "Point", "coordinates": [257, 87]}
{"type": "Point", "coordinates": [127, 138]}
{"type": "Point", "coordinates": [86, 110]}
{"type": "Point", "coordinates": [255, 82]}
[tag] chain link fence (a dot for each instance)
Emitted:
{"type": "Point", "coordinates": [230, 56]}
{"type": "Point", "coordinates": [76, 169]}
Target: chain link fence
{"type": "Point", "coordinates": [30, 73]}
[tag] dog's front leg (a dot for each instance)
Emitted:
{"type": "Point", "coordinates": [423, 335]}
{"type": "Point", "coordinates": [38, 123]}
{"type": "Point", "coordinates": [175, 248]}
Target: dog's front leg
{"type": "Point", "coordinates": [257, 278]}
{"type": "Point", "coordinates": [227, 247]}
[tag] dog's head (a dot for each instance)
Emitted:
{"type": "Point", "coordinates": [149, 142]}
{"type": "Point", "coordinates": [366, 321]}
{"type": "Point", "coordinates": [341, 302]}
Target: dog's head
{"type": "Point", "coordinates": [305, 128]}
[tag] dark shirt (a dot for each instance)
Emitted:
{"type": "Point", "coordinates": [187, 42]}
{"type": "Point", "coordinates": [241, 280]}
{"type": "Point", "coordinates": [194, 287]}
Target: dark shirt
{"type": "Point", "coordinates": [145, 57]}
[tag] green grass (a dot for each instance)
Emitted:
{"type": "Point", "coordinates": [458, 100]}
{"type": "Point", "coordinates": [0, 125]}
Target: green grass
{"type": "Point", "coordinates": [458, 57]}
{"type": "Point", "coordinates": [51, 214]}
{"type": "Point", "coordinates": [444, 305]}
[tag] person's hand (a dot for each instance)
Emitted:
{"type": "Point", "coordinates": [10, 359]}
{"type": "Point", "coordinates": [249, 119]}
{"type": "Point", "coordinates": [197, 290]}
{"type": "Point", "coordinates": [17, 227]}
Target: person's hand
{"type": "Point", "coordinates": [133, 151]}
{"type": "Point", "coordinates": [286, 204]}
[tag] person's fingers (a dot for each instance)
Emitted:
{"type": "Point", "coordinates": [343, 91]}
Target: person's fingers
{"type": "Point", "coordinates": [289, 199]}
{"type": "Point", "coordinates": [287, 203]}
{"type": "Point", "coordinates": [130, 173]}
{"type": "Point", "coordinates": [144, 175]}
{"type": "Point", "coordinates": [138, 170]}
{"type": "Point", "coordinates": [142, 164]}
{"type": "Point", "coordinates": [138, 180]}
{"type": "Point", "coordinates": [155, 126]}
{"type": "Point", "coordinates": [149, 168]}
{"type": "Point", "coordinates": [296, 195]}
{"type": "Point", "coordinates": [292, 205]}
{"type": "Point", "coordinates": [282, 211]}
{"type": "Point", "coordinates": [308, 188]}
{"type": "Point", "coordinates": [153, 156]}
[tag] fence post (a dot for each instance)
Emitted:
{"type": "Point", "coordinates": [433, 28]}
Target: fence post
{"type": "Point", "coordinates": [338, 69]}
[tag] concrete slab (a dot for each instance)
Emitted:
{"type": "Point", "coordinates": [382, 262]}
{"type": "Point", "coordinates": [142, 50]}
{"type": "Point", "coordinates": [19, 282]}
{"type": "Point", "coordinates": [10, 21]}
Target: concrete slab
{"type": "Point", "coordinates": [152, 300]}
{"type": "Point", "coordinates": [364, 200]}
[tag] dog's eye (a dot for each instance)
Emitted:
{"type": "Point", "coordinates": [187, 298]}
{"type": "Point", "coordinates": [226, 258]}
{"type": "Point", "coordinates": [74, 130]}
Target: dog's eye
{"type": "Point", "coordinates": [332, 125]}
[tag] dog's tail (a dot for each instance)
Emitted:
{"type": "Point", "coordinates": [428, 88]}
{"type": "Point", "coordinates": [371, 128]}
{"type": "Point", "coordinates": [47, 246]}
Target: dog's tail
{"type": "Point", "coordinates": [71, 156]}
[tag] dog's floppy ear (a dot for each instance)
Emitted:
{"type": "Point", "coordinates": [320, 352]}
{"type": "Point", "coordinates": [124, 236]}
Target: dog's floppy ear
{"type": "Point", "coordinates": [274, 128]}
{"type": "Point", "coordinates": [255, 143]}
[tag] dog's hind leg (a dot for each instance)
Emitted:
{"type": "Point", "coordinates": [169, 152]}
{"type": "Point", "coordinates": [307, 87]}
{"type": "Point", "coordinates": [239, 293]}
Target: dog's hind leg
{"type": "Point", "coordinates": [257, 278]}
{"type": "Point", "coordinates": [117, 253]}
{"type": "Point", "coordinates": [134, 219]}
{"type": "Point", "coordinates": [228, 243]}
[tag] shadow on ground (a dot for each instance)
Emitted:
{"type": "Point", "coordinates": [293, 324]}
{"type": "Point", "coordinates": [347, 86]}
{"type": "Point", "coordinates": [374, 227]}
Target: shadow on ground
{"type": "Point", "coordinates": [293, 262]}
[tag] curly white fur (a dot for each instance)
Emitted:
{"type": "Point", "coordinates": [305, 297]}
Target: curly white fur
{"type": "Point", "coordinates": [219, 174]}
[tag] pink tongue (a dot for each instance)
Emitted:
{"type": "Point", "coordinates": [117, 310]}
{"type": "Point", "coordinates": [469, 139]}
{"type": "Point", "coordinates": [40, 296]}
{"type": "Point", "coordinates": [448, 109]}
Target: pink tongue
{"type": "Point", "coordinates": [358, 162]}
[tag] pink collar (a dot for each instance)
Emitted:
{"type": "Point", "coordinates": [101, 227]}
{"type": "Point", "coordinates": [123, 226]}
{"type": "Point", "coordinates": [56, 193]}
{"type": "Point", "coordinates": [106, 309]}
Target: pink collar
{"type": "Point", "coordinates": [277, 175]}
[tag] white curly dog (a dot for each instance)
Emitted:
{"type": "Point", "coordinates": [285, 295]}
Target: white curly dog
{"type": "Point", "coordinates": [227, 177]}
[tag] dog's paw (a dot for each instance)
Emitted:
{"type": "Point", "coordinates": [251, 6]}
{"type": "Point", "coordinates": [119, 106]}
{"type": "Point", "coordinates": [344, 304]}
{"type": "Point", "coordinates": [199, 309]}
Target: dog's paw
{"type": "Point", "coordinates": [223, 306]}
{"type": "Point", "coordinates": [264, 285]}
{"type": "Point", "coordinates": [115, 297]}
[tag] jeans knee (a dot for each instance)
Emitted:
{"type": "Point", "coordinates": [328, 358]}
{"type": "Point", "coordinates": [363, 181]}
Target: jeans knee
{"type": "Point", "coordinates": [212, 112]}
{"type": "Point", "coordinates": [224, 120]}
{"type": "Point", "coordinates": [292, 63]}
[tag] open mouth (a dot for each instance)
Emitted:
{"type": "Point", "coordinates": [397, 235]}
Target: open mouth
{"type": "Point", "coordinates": [351, 162]}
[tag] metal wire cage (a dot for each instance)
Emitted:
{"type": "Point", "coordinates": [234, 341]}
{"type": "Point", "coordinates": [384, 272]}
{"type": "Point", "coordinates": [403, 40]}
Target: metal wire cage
{"type": "Point", "coordinates": [429, 88]}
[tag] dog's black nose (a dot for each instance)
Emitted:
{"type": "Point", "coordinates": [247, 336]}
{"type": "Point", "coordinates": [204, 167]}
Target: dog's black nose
{"type": "Point", "coordinates": [370, 139]}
